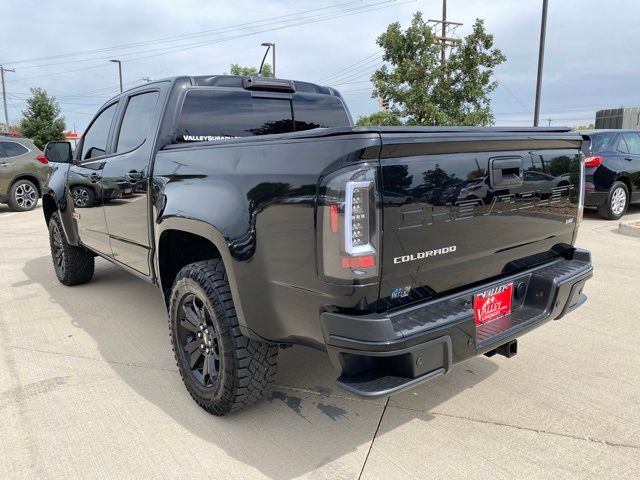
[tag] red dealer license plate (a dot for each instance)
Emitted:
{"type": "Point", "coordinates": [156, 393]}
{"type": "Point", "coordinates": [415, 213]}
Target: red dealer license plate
{"type": "Point", "coordinates": [493, 303]}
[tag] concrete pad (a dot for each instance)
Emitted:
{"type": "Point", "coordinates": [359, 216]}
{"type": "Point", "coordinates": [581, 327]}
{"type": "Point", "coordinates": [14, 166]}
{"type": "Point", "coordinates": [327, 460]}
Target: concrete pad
{"type": "Point", "coordinates": [69, 417]}
{"type": "Point", "coordinates": [416, 445]}
{"type": "Point", "coordinates": [89, 389]}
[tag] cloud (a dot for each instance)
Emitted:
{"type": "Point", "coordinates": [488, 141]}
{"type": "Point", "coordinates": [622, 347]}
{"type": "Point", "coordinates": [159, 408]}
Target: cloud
{"type": "Point", "coordinates": [591, 59]}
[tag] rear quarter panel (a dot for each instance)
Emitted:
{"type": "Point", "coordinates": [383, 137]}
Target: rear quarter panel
{"type": "Point", "coordinates": [260, 197]}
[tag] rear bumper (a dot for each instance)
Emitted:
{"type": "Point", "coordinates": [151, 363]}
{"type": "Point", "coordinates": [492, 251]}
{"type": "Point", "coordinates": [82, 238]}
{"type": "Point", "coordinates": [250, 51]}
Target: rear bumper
{"type": "Point", "coordinates": [595, 199]}
{"type": "Point", "coordinates": [381, 354]}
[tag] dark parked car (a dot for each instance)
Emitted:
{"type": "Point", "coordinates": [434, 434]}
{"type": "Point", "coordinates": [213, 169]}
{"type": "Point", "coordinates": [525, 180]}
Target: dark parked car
{"type": "Point", "coordinates": [612, 170]}
{"type": "Point", "coordinates": [267, 219]}
{"type": "Point", "coordinates": [23, 172]}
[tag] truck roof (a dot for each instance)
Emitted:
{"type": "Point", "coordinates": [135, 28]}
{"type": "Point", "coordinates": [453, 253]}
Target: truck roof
{"type": "Point", "coordinates": [249, 82]}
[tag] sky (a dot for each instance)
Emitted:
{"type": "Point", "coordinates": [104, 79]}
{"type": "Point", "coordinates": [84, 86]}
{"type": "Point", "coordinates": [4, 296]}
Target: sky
{"type": "Point", "coordinates": [592, 56]}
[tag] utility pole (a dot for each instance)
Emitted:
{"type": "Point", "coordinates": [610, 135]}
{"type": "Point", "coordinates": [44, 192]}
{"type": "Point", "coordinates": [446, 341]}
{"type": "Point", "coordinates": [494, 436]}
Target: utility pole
{"type": "Point", "coordinates": [549, 120]}
{"type": "Point", "coordinates": [444, 26]}
{"type": "Point", "coordinates": [4, 95]}
{"type": "Point", "coordinates": [543, 34]}
{"type": "Point", "coordinates": [444, 30]}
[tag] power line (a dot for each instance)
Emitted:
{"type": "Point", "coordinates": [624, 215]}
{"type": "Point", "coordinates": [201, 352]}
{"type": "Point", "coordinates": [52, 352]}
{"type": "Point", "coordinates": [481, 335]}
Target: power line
{"type": "Point", "coordinates": [350, 83]}
{"type": "Point", "coordinates": [179, 48]}
{"type": "Point", "coordinates": [368, 70]}
{"type": "Point", "coordinates": [513, 95]}
{"type": "Point", "coordinates": [327, 77]}
{"type": "Point", "coordinates": [316, 20]}
{"type": "Point", "coordinates": [177, 37]}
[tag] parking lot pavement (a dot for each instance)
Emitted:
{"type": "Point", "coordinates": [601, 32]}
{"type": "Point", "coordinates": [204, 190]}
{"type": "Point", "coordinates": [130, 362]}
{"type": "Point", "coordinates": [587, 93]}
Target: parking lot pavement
{"type": "Point", "coordinates": [89, 389]}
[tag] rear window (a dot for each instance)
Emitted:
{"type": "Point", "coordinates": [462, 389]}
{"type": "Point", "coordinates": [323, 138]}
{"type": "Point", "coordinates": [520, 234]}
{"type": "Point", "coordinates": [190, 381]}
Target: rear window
{"type": "Point", "coordinates": [314, 111]}
{"type": "Point", "coordinates": [600, 142]}
{"type": "Point", "coordinates": [214, 115]}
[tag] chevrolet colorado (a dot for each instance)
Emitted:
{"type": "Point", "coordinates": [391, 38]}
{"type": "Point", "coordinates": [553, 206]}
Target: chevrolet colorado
{"type": "Point", "coordinates": [267, 219]}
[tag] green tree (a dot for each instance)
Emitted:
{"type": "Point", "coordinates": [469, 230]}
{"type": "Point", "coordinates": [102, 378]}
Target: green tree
{"type": "Point", "coordinates": [245, 71]}
{"type": "Point", "coordinates": [41, 120]}
{"type": "Point", "coordinates": [423, 90]}
{"type": "Point", "coordinates": [577, 128]}
{"type": "Point", "coordinates": [384, 118]}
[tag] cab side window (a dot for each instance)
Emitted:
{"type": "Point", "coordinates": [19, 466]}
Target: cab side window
{"type": "Point", "coordinates": [137, 121]}
{"type": "Point", "coordinates": [95, 138]}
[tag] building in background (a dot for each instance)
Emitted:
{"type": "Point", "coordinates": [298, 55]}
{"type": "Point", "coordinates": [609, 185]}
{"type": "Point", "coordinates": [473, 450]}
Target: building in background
{"type": "Point", "coordinates": [623, 117]}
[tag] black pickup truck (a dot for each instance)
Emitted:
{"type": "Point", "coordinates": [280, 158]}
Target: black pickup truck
{"type": "Point", "coordinates": [267, 219]}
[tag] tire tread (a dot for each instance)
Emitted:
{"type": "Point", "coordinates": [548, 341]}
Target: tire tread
{"type": "Point", "coordinates": [252, 365]}
{"type": "Point", "coordinates": [79, 263]}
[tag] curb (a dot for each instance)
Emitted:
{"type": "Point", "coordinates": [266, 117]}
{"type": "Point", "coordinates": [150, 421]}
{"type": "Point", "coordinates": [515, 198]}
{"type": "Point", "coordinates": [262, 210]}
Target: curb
{"type": "Point", "coordinates": [630, 228]}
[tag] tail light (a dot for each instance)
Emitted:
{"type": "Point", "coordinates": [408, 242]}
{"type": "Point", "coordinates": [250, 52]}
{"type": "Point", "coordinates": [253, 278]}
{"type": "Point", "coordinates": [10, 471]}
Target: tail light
{"type": "Point", "coordinates": [42, 159]}
{"type": "Point", "coordinates": [348, 223]}
{"type": "Point", "coordinates": [592, 161]}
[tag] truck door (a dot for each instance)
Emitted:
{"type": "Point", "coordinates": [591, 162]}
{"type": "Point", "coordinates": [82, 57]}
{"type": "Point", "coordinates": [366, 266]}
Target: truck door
{"type": "Point", "coordinates": [128, 172]}
{"type": "Point", "coordinates": [84, 182]}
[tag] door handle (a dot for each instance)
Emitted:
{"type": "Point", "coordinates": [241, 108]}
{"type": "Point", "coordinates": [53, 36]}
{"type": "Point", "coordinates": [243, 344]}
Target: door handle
{"type": "Point", "coordinates": [506, 172]}
{"type": "Point", "coordinates": [5, 164]}
{"type": "Point", "coordinates": [94, 177]}
{"type": "Point", "coordinates": [134, 175]}
{"type": "Point", "coordinates": [628, 159]}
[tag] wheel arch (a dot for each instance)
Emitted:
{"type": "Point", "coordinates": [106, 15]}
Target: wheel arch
{"type": "Point", "coordinates": [49, 206]}
{"type": "Point", "coordinates": [195, 240]}
{"type": "Point", "coordinates": [28, 176]}
{"type": "Point", "coordinates": [625, 179]}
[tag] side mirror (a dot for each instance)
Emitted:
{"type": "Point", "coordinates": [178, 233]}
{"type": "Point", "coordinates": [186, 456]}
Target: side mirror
{"type": "Point", "coordinates": [58, 152]}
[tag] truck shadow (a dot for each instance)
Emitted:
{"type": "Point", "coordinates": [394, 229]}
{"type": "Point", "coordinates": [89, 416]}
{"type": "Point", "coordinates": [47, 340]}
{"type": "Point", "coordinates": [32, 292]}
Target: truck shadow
{"type": "Point", "coordinates": [307, 426]}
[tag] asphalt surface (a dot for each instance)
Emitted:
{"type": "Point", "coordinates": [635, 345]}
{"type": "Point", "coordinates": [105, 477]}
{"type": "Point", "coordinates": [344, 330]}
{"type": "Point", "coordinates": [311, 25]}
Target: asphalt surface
{"type": "Point", "coordinates": [89, 389]}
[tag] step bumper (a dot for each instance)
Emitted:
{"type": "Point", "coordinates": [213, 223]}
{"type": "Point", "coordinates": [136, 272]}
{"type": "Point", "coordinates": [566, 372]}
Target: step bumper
{"type": "Point", "coordinates": [382, 354]}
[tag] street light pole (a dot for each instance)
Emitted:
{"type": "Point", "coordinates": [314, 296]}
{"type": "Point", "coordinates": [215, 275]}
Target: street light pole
{"type": "Point", "coordinates": [543, 33]}
{"type": "Point", "coordinates": [273, 56]}
{"type": "Point", "coordinates": [119, 71]}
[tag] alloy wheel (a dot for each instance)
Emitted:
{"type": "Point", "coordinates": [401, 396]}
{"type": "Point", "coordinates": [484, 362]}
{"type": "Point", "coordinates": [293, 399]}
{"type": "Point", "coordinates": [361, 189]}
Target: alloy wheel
{"type": "Point", "coordinates": [618, 201]}
{"type": "Point", "coordinates": [57, 250]}
{"type": "Point", "coordinates": [198, 341]}
{"type": "Point", "coordinates": [80, 197]}
{"type": "Point", "coordinates": [26, 196]}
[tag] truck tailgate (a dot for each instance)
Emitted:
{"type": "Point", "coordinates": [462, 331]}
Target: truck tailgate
{"type": "Point", "coordinates": [459, 208]}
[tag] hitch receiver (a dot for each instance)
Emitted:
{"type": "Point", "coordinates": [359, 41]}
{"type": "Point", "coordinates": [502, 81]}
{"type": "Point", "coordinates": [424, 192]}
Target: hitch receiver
{"type": "Point", "coordinates": [509, 349]}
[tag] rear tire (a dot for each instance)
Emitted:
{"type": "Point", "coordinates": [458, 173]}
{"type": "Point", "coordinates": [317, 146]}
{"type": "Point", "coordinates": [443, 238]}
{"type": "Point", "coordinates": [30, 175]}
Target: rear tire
{"type": "Point", "coordinates": [222, 369]}
{"type": "Point", "coordinates": [617, 202]}
{"type": "Point", "coordinates": [73, 265]}
{"type": "Point", "coordinates": [23, 196]}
